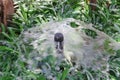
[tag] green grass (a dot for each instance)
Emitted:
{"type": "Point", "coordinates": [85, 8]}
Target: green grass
{"type": "Point", "coordinates": [32, 13]}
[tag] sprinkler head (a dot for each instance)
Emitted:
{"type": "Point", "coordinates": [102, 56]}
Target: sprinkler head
{"type": "Point", "coordinates": [58, 37]}
{"type": "Point", "coordinates": [59, 40]}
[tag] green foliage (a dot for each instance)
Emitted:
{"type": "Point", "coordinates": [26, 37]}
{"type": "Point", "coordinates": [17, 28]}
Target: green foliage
{"type": "Point", "coordinates": [33, 12]}
{"type": "Point", "coordinates": [64, 74]}
{"type": "Point", "coordinates": [90, 33]}
{"type": "Point", "coordinates": [107, 47]}
{"type": "Point", "coordinates": [73, 24]}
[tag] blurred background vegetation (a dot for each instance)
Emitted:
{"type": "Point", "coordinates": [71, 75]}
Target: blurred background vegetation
{"type": "Point", "coordinates": [105, 16]}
